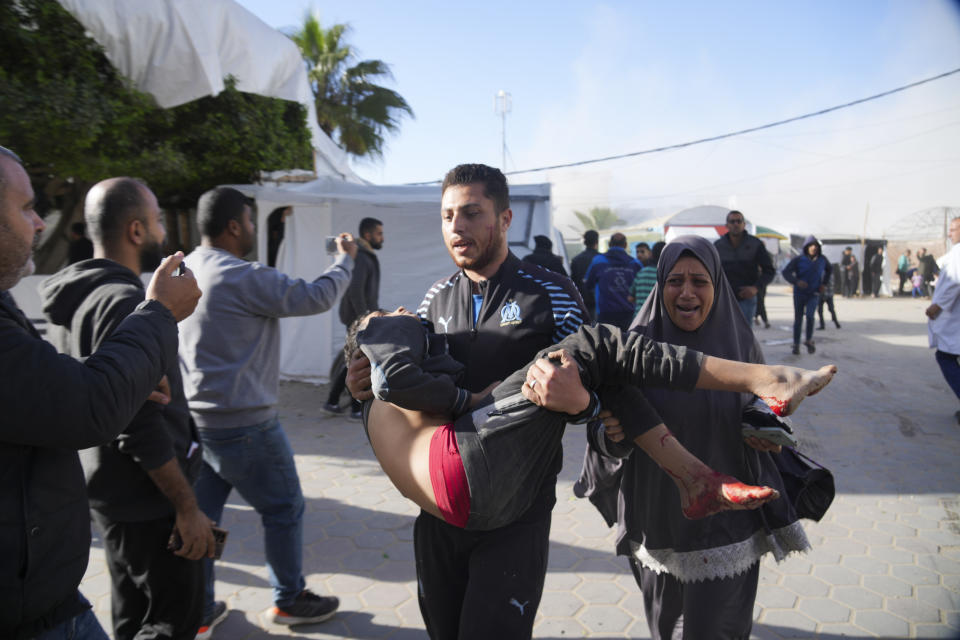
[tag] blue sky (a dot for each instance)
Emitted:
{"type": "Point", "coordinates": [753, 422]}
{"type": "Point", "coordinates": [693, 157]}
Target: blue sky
{"type": "Point", "coordinates": [592, 79]}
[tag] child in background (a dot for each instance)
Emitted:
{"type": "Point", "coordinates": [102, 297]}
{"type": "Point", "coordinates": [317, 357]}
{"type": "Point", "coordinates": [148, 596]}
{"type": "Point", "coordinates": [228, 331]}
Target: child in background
{"type": "Point", "coordinates": [917, 281]}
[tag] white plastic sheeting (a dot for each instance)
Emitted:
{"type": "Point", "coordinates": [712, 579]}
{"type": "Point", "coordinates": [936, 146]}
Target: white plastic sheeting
{"type": "Point", "coordinates": [413, 256]}
{"type": "Point", "coordinates": [181, 50]}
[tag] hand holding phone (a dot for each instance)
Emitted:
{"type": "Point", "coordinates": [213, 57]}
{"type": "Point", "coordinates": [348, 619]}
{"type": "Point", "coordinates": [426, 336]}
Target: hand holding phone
{"type": "Point", "coordinates": [331, 244]}
{"type": "Point", "coordinates": [175, 543]}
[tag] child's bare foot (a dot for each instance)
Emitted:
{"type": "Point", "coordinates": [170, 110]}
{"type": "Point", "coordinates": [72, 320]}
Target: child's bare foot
{"type": "Point", "coordinates": [714, 492]}
{"type": "Point", "coordinates": [788, 386]}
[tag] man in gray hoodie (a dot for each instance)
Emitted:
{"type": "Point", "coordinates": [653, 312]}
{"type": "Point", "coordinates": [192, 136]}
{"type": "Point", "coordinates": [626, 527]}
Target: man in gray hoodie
{"type": "Point", "coordinates": [140, 485]}
{"type": "Point", "coordinates": [230, 358]}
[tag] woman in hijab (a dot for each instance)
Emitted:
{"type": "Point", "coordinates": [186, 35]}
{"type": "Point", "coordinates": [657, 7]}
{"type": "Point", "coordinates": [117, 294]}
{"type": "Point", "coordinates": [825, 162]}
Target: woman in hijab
{"type": "Point", "coordinates": [698, 577]}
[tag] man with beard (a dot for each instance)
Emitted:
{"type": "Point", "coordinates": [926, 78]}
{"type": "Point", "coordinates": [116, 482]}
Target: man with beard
{"type": "Point", "coordinates": [496, 314]}
{"type": "Point", "coordinates": [361, 297]}
{"type": "Point", "coordinates": [140, 486]}
{"type": "Point", "coordinates": [53, 406]}
{"type": "Point", "coordinates": [230, 358]}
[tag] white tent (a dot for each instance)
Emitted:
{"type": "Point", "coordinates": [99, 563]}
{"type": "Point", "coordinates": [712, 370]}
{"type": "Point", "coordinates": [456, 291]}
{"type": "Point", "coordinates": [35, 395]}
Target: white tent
{"type": "Point", "coordinates": [412, 258]}
{"type": "Point", "coordinates": [181, 50]}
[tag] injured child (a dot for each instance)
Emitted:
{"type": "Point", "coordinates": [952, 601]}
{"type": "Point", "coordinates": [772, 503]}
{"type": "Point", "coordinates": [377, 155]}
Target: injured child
{"type": "Point", "coordinates": [477, 460]}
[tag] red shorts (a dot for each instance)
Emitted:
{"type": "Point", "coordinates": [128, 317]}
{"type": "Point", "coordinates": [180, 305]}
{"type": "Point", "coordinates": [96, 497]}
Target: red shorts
{"type": "Point", "coordinates": [450, 488]}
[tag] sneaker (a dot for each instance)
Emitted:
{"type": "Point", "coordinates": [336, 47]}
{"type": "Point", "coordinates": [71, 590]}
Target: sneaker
{"type": "Point", "coordinates": [356, 416]}
{"type": "Point", "coordinates": [307, 608]}
{"type": "Point", "coordinates": [332, 409]}
{"type": "Point", "coordinates": [219, 613]}
{"type": "Point", "coordinates": [795, 350]}
{"type": "Point", "coordinates": [811, 348]}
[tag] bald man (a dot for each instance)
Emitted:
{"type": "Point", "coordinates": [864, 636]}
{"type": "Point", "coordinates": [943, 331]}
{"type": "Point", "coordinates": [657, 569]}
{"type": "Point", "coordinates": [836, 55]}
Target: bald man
{"type": "Point", "coordinates": [53, 406]}
{"type": "Point", "coordinates": [140, 485]}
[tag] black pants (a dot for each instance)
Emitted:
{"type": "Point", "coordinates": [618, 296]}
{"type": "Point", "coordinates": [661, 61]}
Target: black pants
{"type": "Point", "coordinates": [716, 609]}
{"type": "Point", "coordinates": [480, 585]}
{"type": "Point", "coordinates": [338, 383]}
{"type": "Point", "coordinates": [830, 307]}
{"type": "Point", "coordinates": [762, 304]}
{"type": "Point", "coordinates": [155, 594]}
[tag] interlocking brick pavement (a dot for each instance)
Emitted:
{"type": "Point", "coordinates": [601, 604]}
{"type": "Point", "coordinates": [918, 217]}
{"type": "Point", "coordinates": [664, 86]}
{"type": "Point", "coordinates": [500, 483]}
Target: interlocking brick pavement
{"type": "Point", "coordinates": [885, 560]}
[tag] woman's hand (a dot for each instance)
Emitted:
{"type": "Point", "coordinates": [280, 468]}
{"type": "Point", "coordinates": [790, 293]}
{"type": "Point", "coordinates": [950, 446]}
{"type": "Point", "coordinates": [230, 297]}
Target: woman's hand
{"type": "Point", "coordinates": [763, 445]}
{"type": "Point", "coordinates": [612, 428]}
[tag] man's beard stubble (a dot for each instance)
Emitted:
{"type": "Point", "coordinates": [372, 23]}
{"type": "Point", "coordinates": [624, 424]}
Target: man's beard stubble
{"type": "Point", "coordinates": [151, 256]}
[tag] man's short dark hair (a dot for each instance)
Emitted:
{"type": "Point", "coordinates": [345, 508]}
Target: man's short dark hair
{"type": "Point", "coordinates": [543, 242]}
{"type": "Point", "coordinates": [217, 207]}
{"type": "Point", "coordinates": [641, 245]}
{"type": "Point", "coordinates": [733, 212]}
{"type": "Point", "coordinates": [368, 225]}
{"type": "Point", "coordinates": [590, 238]}
{"type": "Point", "coordinates": [657, 250]}
{"type": "Point", "coordinates": [618, 240]}
{"type": "Point", "coordinates": [493, 181]}
{"type": "Point", "coordinates": [107, 215]}
{"type": "Point", "coordinates": [6, 153]}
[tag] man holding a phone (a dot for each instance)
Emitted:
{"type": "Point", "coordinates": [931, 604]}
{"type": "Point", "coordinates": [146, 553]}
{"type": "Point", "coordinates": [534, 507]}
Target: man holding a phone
{"type": "Point", "coordinates": [362, 297]}
{"type": "Point", "coordinates": [140, 485]}
{"type": "Point", "coordinates": [230, 359]}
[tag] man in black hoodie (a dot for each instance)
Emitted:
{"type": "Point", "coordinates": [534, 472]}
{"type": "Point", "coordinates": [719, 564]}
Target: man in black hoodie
{"type": "Point", "coordinates": [140, 484]}
{"type": "Point", "coordinates": [54, 405]}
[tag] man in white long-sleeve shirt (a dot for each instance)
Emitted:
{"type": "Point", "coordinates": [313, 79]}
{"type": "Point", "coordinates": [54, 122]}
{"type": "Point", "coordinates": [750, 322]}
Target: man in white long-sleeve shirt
{"type": "Point", "coordinates": [943, 327]}
{"type": "Point", "coordinates": [229, 354]}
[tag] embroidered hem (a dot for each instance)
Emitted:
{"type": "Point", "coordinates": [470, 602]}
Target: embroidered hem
{"type": "Point", "coordinates": [723, 562]}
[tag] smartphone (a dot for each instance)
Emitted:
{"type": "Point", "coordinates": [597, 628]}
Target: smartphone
{"type": "Point", "coordinates": [331, 242]}
{"type": "Point", "coordinates": [181, 269]}
{"type": "Point", "coordinates": [219, 538]}
{"type": "Point", "coordinates": [759, 421]}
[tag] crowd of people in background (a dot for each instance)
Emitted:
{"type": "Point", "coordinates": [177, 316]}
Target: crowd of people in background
{"type": "Point", "coordinates": [172, 389]}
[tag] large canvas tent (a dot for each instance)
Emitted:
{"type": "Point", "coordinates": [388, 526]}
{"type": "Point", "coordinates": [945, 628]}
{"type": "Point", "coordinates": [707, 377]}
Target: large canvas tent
{"type": "Point", "coordinates": [412, 258]}
{"type": "Point", "coordinates": [179, 50]}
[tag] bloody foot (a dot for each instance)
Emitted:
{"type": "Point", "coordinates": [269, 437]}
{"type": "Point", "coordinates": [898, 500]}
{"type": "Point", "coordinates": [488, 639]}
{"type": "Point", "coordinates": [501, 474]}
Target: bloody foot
{"type": "Point", "coordinates": [788, 386]}
{"type": "Point", "coordinates": [714, 492]}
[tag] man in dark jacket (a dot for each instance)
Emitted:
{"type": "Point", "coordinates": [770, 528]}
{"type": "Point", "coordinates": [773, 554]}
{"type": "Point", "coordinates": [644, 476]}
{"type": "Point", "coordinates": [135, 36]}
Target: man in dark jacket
{"type": "Point", "coordinates": [808, 273]}
{"type": "Point", "coordinates": [611, 274]}
{"type": "Point", "coordinates": [928, 269]}
{"type": "Point", "coordinates": [876, 272]}
{"type": "Point", "coordinates": [746, 263]}
{"type": "Point", "coordinates": [140, 485]}
{"type": "Point", "coordinates": [579, 267]}
{"type": "Point", "coordinates": [361, 297]}
{"type": "Point", "coordinates": [497, 316]}
{"type": "Point", "coordinates": [543, 255]}
{"type": "Point", "coordinates": [54, 405]}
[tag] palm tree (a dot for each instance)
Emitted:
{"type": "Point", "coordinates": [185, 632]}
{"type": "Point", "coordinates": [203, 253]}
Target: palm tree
{"type": "Point", "coordinates": [598, 218]}
{"type": "Point", "coordinates": [351, 108]}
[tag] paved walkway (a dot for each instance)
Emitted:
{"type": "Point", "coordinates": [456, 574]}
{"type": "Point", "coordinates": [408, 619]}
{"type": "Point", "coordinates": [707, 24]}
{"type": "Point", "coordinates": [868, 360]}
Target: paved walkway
{"type": "Point", "coordinates": [885, 562]}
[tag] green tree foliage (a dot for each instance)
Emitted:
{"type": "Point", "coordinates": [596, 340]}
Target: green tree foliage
{"type": "Point", "coordinates": [598, 218]}
{"type": "Point", "coordinates": [351, 107]}
{"type": "Point", "coordinates": [74, 120]}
